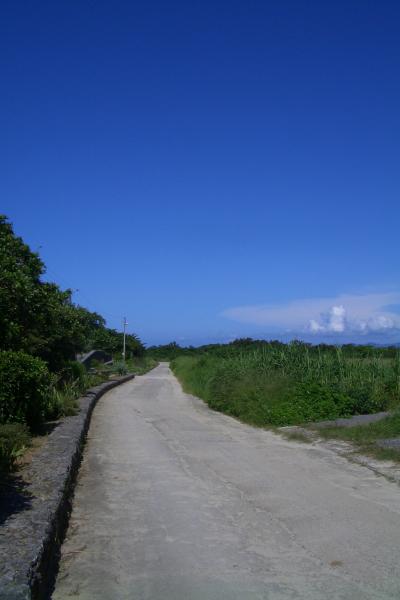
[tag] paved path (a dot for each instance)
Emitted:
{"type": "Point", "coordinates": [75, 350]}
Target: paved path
{"type": "Point", "coordinates": [175, 502]}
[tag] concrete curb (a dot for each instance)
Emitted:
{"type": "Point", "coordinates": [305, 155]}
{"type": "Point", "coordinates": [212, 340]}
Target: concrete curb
{"type": "Point", "coordinates": [30, 539]}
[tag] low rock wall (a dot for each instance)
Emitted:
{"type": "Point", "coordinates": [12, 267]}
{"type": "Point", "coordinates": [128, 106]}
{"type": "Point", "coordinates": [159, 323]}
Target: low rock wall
{"type": "Point", "coordinates": [31, 537]}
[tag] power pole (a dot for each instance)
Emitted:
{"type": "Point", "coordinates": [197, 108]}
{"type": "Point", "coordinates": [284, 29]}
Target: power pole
{"type": "Point", "coordinates": [123, 351]}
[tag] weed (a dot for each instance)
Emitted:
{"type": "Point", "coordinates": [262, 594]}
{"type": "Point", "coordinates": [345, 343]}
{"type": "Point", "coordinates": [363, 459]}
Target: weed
{"type": "Point", "coordinates": [14, 439]}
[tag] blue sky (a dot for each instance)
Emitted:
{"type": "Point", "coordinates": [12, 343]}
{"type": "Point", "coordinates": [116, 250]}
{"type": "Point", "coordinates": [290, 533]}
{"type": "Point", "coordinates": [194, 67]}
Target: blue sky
{"type": "Point", "coordinates": [209, 169]}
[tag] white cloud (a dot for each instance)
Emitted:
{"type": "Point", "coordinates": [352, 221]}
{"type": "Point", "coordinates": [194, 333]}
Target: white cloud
{"type": "Point", "coordinates": [361, 313]}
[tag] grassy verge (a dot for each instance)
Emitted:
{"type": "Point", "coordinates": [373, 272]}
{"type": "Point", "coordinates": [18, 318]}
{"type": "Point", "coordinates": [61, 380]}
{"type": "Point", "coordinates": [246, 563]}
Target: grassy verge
{"type": "Point", "coordinates": [277, 384]}
{"type": "Point", "coordinates": [365, 437]}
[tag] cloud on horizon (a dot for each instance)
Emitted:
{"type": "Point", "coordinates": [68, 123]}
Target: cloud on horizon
{"type": "Point", "coordinates": [359, 314]}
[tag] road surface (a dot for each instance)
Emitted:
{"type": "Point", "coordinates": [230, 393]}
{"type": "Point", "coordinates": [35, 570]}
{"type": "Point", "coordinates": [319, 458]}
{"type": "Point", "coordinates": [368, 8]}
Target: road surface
{"type": "Point", "coordinates": [176, 502]}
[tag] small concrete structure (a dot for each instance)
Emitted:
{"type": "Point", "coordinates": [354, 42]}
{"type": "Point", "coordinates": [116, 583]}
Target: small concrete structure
{"type": "Point", "coordinates": [89, 357]}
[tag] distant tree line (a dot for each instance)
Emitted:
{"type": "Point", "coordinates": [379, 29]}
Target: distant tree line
{"type": "Point", "coordinates": [173, 349]}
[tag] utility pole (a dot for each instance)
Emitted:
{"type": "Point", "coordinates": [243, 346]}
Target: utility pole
{"type": "Point", "coordinates": [123, 351]}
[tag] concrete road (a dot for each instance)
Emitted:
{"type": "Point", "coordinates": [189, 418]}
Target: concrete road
{"type": "Point", "coordinates": [176, 502]}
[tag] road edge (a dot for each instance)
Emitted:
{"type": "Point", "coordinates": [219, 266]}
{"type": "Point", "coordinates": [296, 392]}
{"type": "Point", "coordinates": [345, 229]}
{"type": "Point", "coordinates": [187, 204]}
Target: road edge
{"type": "Point", "coordinates": [388, 469]}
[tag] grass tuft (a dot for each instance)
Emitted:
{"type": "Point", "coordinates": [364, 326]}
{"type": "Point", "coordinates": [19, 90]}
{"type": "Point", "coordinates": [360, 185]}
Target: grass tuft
{"type": "Point", "coordinates": [14, 440]}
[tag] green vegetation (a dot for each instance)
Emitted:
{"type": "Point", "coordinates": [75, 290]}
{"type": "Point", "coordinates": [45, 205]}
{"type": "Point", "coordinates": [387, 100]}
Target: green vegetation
{"type": "Point", "coordinates": [41, 333]}
{"type": "Point", "coordinates": [40, 319]}
{"type": "Point", "coordinates": [141, 365]}
{"type": "Point", "coordinates": [170, 351]}
{"type": "Point", "coordinates": [138, 365]}
{"type": "Point", "coordinates": [110, 341]}
{"type": "Point", "coordinates": [66, 387]}
{"type": "Point", "coordinates": [270, 383]}
{"type": "Point", "coordinates": [14, 440]}
{"type": "Point", "coordinates": [24, 385]}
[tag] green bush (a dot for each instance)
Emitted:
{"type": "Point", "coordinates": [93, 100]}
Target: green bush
{"type": "Point", "coordinates": [367, 399]}
{"type": "Point", "coordinates": [119, 367]}
{"type": "Point", "coordinates": [66, 388]}
{"type": "Point", "coordinates": [311, 401]}
{"type": "Point", "coordinates": [74, 371]}
{"type": "Point", "coordinates": [24, 386]}
{"type": "Point", "coordinates": [63, 399]}
{"type": "Point", "coordinates": [14, 439]}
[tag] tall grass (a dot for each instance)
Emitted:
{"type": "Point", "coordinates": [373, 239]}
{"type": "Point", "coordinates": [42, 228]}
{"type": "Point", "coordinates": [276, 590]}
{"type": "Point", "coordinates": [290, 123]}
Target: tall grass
{"type": "Point", "coordinates": [71, 383]}
{"type": "Point", "coordinates": [286, 384]}
{"type": "Point", "coordinates": [14, 440]}
{"type": "Point", "coordinates": [141, 364]}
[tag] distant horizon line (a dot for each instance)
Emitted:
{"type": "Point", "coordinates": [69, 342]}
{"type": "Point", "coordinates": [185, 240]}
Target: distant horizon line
{"type": "Point", "coordinates": [331, 342]}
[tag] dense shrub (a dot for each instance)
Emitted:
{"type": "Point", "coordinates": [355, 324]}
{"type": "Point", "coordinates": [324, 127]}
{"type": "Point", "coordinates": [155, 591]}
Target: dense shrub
{"type": "Point", "coordinates": [369, 398]}
{"type": "Point", "coordinates": [14, 439]}
{"type": "Point", "coordinates": [169, 351]}
{"type": "Point", "coordinates": [74, 371]}
{"type": "Point", "coordinates": [63, 399]}
{"type": "Point", "coordinates": [66, 387]}
{"type": "Point", "coordinates": [119, 367]}
{"type": "Point", "coordinates": [275, 400]}
{"type": "Point", "coordinates": [310, 401]}
{"type": "Point", "coordinates": [24, 385]}
{"type": "Point", "coordinates": [111, 342]}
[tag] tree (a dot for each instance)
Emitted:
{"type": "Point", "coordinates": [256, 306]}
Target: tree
{"type": "Point", "coordinates": [39, 318]}
{"type": "Point", "coordinates": [111, 341]}
{"type": "Point", "coordinates": [21, 293]}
